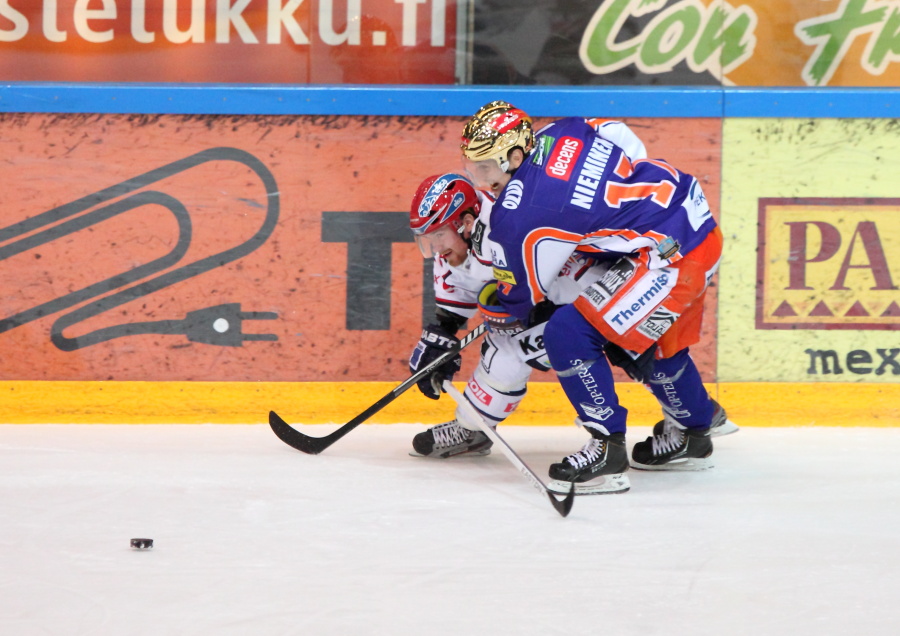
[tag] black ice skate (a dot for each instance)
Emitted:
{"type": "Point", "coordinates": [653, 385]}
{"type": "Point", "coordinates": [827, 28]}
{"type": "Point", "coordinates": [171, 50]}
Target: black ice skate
{"type": "Point", "coordinates": [449, 440]}
{"type": "Point", "coordinates": [721, 425]}
{"type": "Point", "coordinates": [596, 469]}
{"type": "Point", "coordinates": [677, 448]}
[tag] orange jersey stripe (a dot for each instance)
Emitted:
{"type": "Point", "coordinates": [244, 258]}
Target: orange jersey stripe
{"type": "Point", "coordinates": [529, 249]}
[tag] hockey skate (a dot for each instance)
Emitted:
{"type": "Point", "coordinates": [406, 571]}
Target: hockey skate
{"type": "Point", "coordinates": [721, 425]}
{"type": "Point", "coordinates": [677, 448]}
{"type": "Point", "coordinates": [450, 440]}
{"type": "Point", "coordinates": [596, 469]}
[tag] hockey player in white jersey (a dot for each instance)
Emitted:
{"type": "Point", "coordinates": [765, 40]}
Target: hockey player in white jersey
{"type": "Point", "coordinates": [446, 220]}
{"type": "Point", "coordinates": [451, 223]}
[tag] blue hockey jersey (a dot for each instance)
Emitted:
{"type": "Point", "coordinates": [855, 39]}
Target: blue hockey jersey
{"type": "Point", "coordinates": [578, 192]}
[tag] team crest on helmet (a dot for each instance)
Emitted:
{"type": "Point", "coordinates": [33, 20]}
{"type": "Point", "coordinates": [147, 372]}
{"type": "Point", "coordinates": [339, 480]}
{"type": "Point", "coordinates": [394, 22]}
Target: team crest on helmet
{"type": "Point", "coordinates": [440, 200]}
{"type": "Point", "coordinates": [431, 196]}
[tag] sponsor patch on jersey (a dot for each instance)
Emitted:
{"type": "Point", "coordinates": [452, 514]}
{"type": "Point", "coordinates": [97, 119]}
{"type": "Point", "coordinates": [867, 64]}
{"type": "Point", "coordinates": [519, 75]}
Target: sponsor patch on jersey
{"type": "Point", "coordinates": [612, 281]}
{"type": "Point", "coordinates": [512, 194]}
{"type": "Point", "coordinates": [657, 323]}
{"type": "Point", "coordinates": [617, 275]}
{"type": "Point", "coordinates": [641, 300]}
{"type": "Point", "coordinates": [596, 295]}
{"type": "Point", "coordinates": [512, 406]}
{"type": "Point", "coordinates": [697, 207]}
{"type": "Point", "coordinates": [480, 394]}
{"type": "Point", "coordinates": [478, 239]}
{"type": "Point", "coordinates": [504, 276]}
{"type": "Point", "coordinates": [542, 149]}
{"type": "Point", "coordinates": [531, 342]}
{"type": "Point", "coordinates": [498, 256]}
{"type": "Point", "coordinates": [563, 158]}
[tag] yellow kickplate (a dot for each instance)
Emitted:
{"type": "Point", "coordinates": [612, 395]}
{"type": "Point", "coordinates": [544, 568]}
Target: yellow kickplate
{"type": "Point", "coordinates": [748, 404]}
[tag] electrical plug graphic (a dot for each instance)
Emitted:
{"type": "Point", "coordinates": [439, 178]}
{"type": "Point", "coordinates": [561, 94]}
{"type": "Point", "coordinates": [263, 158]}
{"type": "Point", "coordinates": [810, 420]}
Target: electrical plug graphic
{"type": "Point", "coordinates": [222, 325]}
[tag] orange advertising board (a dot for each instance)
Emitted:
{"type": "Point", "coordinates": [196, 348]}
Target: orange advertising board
{"type": "Point", "coordinates": [219, 248]}
{"type": "Point", "coordinates": [247, 41]}
{"type": "Point", "coordinates": [821, 43]}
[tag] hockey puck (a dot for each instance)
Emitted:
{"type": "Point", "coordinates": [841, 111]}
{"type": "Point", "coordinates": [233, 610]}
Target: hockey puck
{"type": "Point", "coordinates": [142, 544]}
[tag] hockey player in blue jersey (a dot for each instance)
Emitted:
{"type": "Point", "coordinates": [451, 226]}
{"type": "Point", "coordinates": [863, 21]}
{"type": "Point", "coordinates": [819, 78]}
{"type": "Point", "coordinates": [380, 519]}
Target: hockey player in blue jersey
{"type": "Point", "coordinates": [566, 190]}
{"type": "Point", "coordinates": [451, 224]}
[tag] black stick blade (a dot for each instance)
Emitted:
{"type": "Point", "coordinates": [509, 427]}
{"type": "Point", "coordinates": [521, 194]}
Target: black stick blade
{"type": "Point", "coordinates": [563, 506]}
{"type": "Point", "coordinates": [294, 438]}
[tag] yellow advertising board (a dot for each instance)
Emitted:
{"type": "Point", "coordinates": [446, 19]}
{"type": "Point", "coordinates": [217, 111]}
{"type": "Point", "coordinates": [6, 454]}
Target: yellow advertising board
{"type": "Point", "coordinates": [810, 278]}
{"type": "Point", "coordinates": [823, 264]}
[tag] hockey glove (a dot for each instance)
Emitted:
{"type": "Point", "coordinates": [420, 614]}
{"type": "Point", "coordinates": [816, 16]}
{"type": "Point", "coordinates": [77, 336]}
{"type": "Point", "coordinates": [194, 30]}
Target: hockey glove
{"type": "Point", "coordinates": [638, 366]}
{"type": "Point", "coordinates": [497, 319]}
{"type": "Point", "coordinates": [541, 313]}
{"type": "Point", "coordinates": [435, 341]}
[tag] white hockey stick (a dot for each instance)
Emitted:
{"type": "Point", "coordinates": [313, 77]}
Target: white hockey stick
{"type": "Point", "coordinates": [473, 417]}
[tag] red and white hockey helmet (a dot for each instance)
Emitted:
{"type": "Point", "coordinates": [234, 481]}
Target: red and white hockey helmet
{"type": "Point", "coordinates": [440, 201]}
{"type": "Point", "coordinates": [436, 215]}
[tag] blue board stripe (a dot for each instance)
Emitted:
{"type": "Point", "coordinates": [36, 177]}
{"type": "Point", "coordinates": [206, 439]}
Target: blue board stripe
{"type": "Point", "coordinates": [813, 102]}
{"type": "Point", "coordinates": [447, 101]}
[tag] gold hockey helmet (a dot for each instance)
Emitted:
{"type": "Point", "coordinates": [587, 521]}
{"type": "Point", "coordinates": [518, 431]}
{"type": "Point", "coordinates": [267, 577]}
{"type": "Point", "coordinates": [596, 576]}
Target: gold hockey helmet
{"type": "Point", "coordinates": [494, 131]}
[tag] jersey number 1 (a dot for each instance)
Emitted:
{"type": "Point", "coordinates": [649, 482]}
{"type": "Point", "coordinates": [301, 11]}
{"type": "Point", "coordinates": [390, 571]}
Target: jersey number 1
{"type": "Point", "coordinates": [659, 192]}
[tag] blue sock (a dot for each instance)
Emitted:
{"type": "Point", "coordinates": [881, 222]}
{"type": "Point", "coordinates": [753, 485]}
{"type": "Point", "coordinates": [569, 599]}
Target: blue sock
{"type": "Point", "coordinates": [677, 386]}
{"type": "Point", "coordinates": [575, 350]}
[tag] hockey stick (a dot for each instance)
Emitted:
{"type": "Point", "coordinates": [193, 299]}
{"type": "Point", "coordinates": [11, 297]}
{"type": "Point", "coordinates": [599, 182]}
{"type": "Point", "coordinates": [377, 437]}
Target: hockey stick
{"type": "Point", "coordinates": [315, 445]}
{"type": "Point", "coordinates": [562, 506]}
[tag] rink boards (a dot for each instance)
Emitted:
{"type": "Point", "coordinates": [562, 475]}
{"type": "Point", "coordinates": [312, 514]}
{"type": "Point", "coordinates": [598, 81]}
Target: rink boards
{"type": "Point", "coordinates": [748, 404]}
{"type": "Point", "coordinates": [244, 250]}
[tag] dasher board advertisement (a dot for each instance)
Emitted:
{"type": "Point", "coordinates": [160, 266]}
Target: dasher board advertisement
{"type": "Point", "coordinates": [810, 275]}
{"type": "Point", "coordinates": [408, 42]}
{"type": "Point", "coordinates": [687, 42]}
{"type": "Point", "coordinates": [241, 41]}
{"type": "Point", "coordinates": [242, 249]}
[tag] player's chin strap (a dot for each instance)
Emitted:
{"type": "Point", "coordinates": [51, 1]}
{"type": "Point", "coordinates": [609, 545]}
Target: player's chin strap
{"type": "Point", "coordinates": [473, 419]}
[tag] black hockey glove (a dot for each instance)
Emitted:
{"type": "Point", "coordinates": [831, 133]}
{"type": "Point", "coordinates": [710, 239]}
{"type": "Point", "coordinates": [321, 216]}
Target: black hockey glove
{"type": "Point", "coordinates": [638, 366]}
{"type": "Point", "coordinates": [435, 341]}
{"type": "Point", "coordinates": [542, 312]}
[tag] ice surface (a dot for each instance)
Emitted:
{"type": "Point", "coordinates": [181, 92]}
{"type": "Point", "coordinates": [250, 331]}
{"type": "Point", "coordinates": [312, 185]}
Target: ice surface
{"type": "Point", "coordinates": [795, 531]}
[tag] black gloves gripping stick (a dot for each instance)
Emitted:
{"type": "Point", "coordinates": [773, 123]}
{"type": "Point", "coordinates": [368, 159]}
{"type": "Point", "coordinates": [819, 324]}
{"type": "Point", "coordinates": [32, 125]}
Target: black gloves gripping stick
{"type": "Point", "coordinates": [435, 341]}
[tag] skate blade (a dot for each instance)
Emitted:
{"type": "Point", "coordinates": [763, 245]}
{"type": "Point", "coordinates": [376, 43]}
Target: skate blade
{"type": "Point", "coordinates": [692, 463]}
{"type": "Point", "coordinates": [478, 453]}
{"type": "Point", "coordinates": [605, 485]}
{"type": "Point", "coordinates": [727, 428]}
